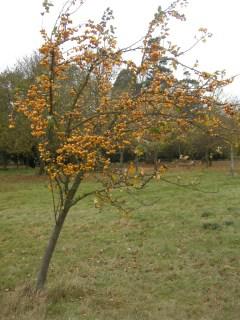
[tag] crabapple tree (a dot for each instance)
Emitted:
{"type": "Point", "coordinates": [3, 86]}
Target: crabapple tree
{"type": "Point", "coordinates": [79, 120]}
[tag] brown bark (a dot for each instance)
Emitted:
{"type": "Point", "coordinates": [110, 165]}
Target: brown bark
{"type": "Point", "coordinates": [155, 160]}
{"type": "Point", "coordinates": [121, 158]}
{"type": "Point", "coordinates": [232, 162]}
{"type": "Point", "coordinates": [41, 168]}
{"type": "Point", "coordinates": [42, 275]}
{"type": "Point", "coordinates": [136, 161]}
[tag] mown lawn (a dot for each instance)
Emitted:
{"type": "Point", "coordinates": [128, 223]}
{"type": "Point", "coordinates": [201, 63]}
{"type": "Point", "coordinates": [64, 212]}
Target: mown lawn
{"type": "Point", "coordinates": [177, 258]}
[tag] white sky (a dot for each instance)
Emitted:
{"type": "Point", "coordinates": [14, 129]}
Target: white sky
{"type": "Point", "coordinates": [20, 22]}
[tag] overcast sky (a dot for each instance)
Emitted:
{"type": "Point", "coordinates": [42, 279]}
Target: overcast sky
{"type": "Point", "coordinates": [20, 22]}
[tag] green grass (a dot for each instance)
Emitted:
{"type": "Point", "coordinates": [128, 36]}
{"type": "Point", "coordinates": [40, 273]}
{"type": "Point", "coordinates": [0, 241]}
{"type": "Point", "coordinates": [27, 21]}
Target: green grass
{"type": "Point", "coordinates": [175, 259]}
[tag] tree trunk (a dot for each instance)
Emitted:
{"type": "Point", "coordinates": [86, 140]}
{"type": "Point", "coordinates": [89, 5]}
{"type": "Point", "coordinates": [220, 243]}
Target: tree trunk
{"type": "Point", "coordinates": [232, 163]}
{"type": "Point", "coordinates": [17, 161]}
{"type": "Point", "coordinates": [179, 150]}
{"type": "Point", "coordinates": [121, 160]}
{"type": "Point", "coordinates": [42, 275]}
{"type": "Point", "coordinates": [41, 168]}
{"type": "Point", "coordinates": [207, 158]}
{"type": "Point", "coordinates": [136, 161]}
{"type": "Point", "coordinates": [26, 162]}
{"type": "Point", "coordinates": [155, 160]}
{"type": "Point", "coordinates": [5, 161]}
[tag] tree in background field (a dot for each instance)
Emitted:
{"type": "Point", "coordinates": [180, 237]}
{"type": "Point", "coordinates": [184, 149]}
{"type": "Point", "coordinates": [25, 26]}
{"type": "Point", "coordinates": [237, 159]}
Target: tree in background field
{"type": "Point", "coordinates": [80, 119]}
{"type": "Point", "coordinates": [228, 130]}
{"type": "Point", "coordinates": [15, 141]}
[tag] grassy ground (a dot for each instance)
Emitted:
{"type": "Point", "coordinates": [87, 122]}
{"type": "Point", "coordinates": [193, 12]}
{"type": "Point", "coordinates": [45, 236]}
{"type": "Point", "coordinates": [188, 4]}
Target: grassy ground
{"type": "Point", "coordinates": [176, 259]}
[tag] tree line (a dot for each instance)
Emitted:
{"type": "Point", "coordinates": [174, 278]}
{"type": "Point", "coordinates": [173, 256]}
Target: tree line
{"type": "Point", "coordinates": [19, 147]}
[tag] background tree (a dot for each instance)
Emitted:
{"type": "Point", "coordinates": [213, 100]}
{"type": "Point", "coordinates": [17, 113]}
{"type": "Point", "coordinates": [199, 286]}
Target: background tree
{"type": "Point", "coordinates": [15, 142]}
{"type": "Point", "coordinates": [227, 130]}
{"type": "Point", "coordinates": [125, 83]}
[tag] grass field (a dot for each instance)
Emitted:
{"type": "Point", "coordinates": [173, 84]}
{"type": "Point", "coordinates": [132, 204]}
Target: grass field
{"type": "Point", "coordinates": [177, 258]}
